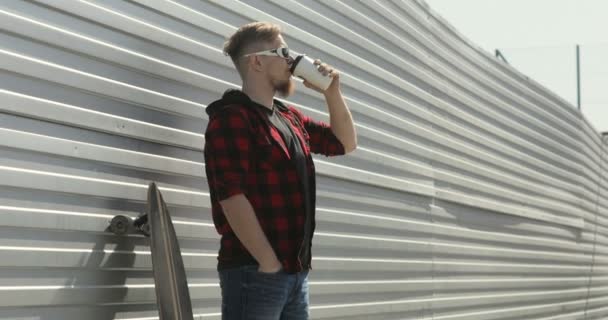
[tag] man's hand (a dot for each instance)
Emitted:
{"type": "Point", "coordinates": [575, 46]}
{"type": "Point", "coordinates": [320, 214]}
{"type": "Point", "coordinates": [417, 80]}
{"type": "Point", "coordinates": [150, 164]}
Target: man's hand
{"type": "Point", "coordinates": [272, 267]}
{"type": "Point", "coordinates": [246, 227]}
{"type": "Point", "coordinates": [326, 70]}
{"type": "Point", "coordinates": [341, 120]}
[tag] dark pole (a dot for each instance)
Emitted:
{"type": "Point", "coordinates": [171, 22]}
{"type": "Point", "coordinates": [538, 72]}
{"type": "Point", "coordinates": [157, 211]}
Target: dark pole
{"type": "Point", "coordinates": [578, 77]}
{"type": "Point", "coordinates": [499, 55]}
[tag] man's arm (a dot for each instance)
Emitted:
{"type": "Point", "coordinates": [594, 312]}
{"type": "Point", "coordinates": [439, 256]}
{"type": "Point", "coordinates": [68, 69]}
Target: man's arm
{"type": "Point", "coordinates": [245, 224]}
{"type": "Point", "coordinates": [227, 149]}
{"type": "Point", "coordinates": [340, 118]}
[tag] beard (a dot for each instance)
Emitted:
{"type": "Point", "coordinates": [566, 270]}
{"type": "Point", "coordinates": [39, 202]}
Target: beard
{"type": "Point", "coordinates": [285, 88]}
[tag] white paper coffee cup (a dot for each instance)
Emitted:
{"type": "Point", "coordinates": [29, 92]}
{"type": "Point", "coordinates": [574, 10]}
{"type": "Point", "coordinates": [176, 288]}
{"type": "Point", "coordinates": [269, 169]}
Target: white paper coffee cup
{"type": "Point", "coordinates": [305, 68]}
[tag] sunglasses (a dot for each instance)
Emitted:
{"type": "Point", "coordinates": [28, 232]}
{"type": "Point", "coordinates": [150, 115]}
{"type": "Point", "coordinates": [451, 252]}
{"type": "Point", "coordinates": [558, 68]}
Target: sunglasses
{"type": "Point", "coordinates": [282, 52]}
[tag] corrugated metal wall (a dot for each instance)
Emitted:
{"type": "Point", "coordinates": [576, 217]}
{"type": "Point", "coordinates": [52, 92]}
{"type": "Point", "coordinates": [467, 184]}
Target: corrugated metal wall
{"type": "Point", "coordinates": [474, 194]}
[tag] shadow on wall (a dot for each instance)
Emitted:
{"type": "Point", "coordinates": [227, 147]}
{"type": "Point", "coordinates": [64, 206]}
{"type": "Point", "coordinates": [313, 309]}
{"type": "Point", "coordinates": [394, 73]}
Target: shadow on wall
{"type": "Point", "coordinates": [94, 289]}
{"type": "Point", "coordinates": [93, 284]}
{"type": "Point", "coordinates": [81, 297]}
{"type": "Point", "coordinates": [97, 269]}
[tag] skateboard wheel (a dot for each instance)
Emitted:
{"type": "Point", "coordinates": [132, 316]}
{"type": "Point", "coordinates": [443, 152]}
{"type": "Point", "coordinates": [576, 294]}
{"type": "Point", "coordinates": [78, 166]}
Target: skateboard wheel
{"type": "Point", "coordinates": [119, 225]}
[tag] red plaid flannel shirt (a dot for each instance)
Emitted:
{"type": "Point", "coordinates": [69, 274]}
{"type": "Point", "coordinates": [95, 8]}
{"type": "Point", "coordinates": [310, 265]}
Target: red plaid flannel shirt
{"type": "Point", "coordinates": [245, 154]}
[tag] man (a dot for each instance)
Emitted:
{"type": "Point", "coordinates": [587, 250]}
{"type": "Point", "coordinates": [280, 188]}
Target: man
{"type": "Point", "coordinates": [262, 178]}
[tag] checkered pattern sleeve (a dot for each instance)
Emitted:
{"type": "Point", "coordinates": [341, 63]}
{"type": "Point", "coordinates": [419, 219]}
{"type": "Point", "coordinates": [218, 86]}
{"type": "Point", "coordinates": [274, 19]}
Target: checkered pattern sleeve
{"type": "Point", "coordinates": [227, 150]}
{"type": "Point", "coordinates": [321, 138]}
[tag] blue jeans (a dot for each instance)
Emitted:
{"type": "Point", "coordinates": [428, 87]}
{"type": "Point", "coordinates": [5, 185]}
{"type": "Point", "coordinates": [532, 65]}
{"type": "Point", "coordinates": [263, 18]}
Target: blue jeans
{"type": "Point", "coordinates": [251, 295]}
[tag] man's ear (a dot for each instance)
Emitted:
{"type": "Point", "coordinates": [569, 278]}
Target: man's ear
{"type": "Point", "coordinates": [255, 63]}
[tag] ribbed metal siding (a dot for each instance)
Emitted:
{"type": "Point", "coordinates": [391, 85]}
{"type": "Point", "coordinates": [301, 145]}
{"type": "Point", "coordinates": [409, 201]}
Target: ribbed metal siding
{"type": "Point", "coordinates": [475, 193]}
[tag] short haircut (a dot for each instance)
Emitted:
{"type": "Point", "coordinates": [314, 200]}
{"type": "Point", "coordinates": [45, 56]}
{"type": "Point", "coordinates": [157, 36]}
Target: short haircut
{"type": "Point", "coordinates": [248, 35]}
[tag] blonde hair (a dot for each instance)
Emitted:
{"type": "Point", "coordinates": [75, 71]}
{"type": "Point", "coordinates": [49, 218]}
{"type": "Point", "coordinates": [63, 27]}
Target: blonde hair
{"type": "Point", "coordinates": [248, 35]}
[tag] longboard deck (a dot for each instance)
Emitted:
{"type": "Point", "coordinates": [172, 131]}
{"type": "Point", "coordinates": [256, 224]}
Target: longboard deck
{"type": "Point", "coordinates": [170, 280]}
{"type": "Point", "coordinates": [171, 285]}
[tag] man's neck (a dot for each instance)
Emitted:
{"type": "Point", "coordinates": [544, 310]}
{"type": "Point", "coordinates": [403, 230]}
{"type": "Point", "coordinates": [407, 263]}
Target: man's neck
{"type": "Point", "coordinates": [259, 92]}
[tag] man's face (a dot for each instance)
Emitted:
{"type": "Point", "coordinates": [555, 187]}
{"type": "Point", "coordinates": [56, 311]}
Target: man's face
{"type": "Point", "coordinates": [277, 70]}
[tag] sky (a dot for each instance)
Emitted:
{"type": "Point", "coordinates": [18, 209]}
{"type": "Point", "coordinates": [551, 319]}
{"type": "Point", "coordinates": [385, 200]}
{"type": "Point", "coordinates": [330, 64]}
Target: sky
{"type": "Point", "coordinates": [539, 38]}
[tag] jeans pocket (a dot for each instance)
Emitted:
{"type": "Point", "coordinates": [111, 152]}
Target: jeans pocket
{"type": "Point", "coordinates": [265, 294]}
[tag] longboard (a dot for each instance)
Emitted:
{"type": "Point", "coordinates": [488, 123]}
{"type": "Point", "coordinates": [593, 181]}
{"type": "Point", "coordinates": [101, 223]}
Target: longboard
{"type": "Point", "coordinates": [171, 285]}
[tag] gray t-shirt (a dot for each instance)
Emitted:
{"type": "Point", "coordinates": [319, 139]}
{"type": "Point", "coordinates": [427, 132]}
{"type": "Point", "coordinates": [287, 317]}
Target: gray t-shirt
{"type": "Point", "coordinates": [297, 155]}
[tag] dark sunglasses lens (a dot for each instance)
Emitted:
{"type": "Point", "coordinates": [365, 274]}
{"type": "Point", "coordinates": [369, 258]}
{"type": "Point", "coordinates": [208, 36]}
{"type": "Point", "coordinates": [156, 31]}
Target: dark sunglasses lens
{"type": "Point", "coordinates": [285, 52]}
